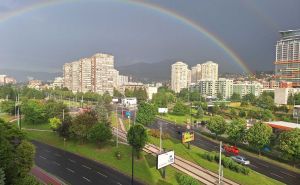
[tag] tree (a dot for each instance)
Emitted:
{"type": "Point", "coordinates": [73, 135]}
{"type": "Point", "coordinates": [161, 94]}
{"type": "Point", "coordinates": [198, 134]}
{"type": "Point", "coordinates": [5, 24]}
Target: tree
{"type": "Point", "coordinates": [82, 123]}
{"type": "Point", "coordinates": [259, 135]}
{"type": "Point", "coordinates": [8, 107]}
{"type": "Point", "coordinates": [233, 112]}
{"type": "Point", "coordinates": [128, 93]}
{"type": "Point", "coordinates": [242, 114]}
{"type": "Point", "coordinates": [137, 138]}
{"type": "Point", "coordinates": [289, 144]}
{"type": "Point", "coordinates": [117, 93]}
{"type": "Point", "coordinates": [200, 113]}
{"type": "Point", "coordinates": [265, 102]}
{"type": "Point", "coordinates": [55, 109]}
{"type": "Point", "coordinates": [235, 97]}
{"type": "Point", "coordinates": [99, 133]}
{"type": "Point", "coordinates": [24, 157]}
{"type": "Point", "coordinates": [236, 130]}
{"type": "Point", "coordinates": [140, 94]}
{"type": "Point", "coordinates": [54, 123]}
{"type": "Point", "coordinates": [215, 109]}
{"type": "Point", "coordinates": [180, 109]}
{"type": "Point", "coordinates": [146, 113]}
{"type": "Point", "coordinates": [250, 98]}
{"type": "Point", "coordinates": [266, 115]}
{"type": "Point", "coordinates": [217, 125]}
{"type": "Point", "coordinates": [2, 177]}
{"type": "Point", "coordinates": [34, 112]}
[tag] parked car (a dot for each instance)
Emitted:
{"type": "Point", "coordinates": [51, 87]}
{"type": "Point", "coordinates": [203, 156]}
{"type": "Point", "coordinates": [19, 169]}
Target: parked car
{"type": "Point", "coordinates": [233, 150]}
{"type": "Point", "coordinates": [240, 159]}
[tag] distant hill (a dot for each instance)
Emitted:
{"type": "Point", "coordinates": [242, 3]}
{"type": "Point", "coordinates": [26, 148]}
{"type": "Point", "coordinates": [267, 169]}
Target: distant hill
{"type": "Point", "coordinates": [23, 76]}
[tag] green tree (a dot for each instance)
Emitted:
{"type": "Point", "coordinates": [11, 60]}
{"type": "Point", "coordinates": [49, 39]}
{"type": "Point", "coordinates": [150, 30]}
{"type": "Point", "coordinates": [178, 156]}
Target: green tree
{"type": "Point", "coordinates": [146, 113]}
{"type": "Point", "coordinates": [217, 125]}
{"type": "Point", "coordinates": [137, 138]}
{"type": "Point", "coordinates": [141, 95]}
{"type": "Point", "coordinates": [100, 133]}
{"type": "Point", "coordinates": [24, 157]}
{"type": "Point", "coordinates": [242, 114]}
{"type": "Point", "coordinates": [128, 93]}
{"type": "Point", "coordinates": [235, 97]}
{"type": "Point", "coordinates": [7, 91]}
{"type": "Point", "coordinates": [289, 144]}
{"type": "Point", "coordinates": [236, 130]}
{"type": "Point", "coordinates": [54, 123]}
{"type": "Point", "coordinates": [8, 107]}
{"type": "Point", "coordinates": [2, 177]}
{"type": "Point", "coordinates": [82, 124]}
{"type": "Point", "coordinates": [34, 112]}
{"type": "Point", "coordinates": [55, 109]}
{"type": "Point", "coordinates": [187, 180]}
{"type": "Point", "coordinates": [259, 135]}
{"type": "Point", "coordinates": [265, 102]}
{"type": "Point", "coordinates": [117, 93]}
{"type": "Point", "coordinates": [28, 180]}
{"type": "Point", "coordinates": [180, 109]}
{"type": "Point", "coordinates": [250, 98]}
{"type": "Point", "coordinates": [215, 109]}
{"type": "Point", "coordinates": [200, 113]}
{"type": "Point", "coordinates": [233, 112]}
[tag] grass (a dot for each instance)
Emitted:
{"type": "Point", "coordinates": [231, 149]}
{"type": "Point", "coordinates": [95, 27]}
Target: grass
{"type": "Point", "coordinates": [6, 117]}
{"type": "Point", "coordinates": [44, 126]}
{"type": "Point", "coordinates": [145, 168]}
{"type": "Point", "coordinates": [194, 155]}
{"type": "Point", "coordinates": [181, 120]}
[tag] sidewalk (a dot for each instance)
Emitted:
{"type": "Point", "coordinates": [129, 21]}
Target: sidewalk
{"type": "Point", "coordinates": [45, 177]}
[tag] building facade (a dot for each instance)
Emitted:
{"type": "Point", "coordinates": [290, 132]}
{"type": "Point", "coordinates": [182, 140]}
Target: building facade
{"type": "Point", "coordinates": [196, 73]}
{"type": "Point", "coordinates": [211, 88]}
{"type": "Point", "coordinates": [287, 63]}
{"type": "Point", "coordinates": [93, 74]}
{"type": "Point", "coordinates": [180, 76]}
{"type": "Point", "coordinates": [243, 88]}
{"type": "Point", "coordinates": [209, 71]}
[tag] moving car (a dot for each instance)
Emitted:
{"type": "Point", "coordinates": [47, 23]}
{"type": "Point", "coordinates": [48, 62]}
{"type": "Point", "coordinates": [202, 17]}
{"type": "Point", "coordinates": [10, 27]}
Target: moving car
{"type": "Point", "coordinates": [240, 159]}
{"type": "Point", "coordinates": [230, 149]}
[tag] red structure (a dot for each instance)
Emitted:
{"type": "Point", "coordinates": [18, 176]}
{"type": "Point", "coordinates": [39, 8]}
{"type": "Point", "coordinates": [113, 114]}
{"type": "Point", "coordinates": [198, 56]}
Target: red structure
{"type": "Point", "coordinates": [231, 149]}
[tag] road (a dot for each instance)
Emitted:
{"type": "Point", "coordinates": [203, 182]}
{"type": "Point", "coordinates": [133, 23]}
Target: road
{"type": "Point", "coordinates": [268, 169]}
{"type": "Point", "coordinates": [77, 170]}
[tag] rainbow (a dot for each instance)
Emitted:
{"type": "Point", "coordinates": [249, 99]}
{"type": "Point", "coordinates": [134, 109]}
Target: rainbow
{"type": "Point", "coordinates": [153, 7]}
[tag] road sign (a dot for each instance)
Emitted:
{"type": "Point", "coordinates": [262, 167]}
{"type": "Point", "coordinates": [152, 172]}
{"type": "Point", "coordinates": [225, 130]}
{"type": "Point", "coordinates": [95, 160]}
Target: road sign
{"type": "Point", "coordinates": [165, 159]}
{"type": "Point", "coordinates": [187, 137]}
{"type": "Point", "coordinates": [128, 113]}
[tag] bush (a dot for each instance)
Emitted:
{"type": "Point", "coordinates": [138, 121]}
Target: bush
{"type": "Point", "coordinates": [187, 180]}
{"type": "Point", "coordinates": [226, 161]}
{"type": "Point", "coordinates": [156, 133]}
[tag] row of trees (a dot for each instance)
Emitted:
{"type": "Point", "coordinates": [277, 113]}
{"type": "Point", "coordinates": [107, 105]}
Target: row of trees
{"type": "Point", "coordinates": [16, 156]}
{"type": "Point", "coordinates": [258, 136]}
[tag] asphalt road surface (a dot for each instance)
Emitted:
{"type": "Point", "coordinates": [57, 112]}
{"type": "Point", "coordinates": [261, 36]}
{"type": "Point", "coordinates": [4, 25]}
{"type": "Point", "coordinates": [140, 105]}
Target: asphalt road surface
{"type": "Point", "coordinates": [268, 169]}
{"type": "Point", "coordinates": [76, 170]}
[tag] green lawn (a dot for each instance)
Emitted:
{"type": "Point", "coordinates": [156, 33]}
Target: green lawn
{"type": "Point", "coordinates": [194, 155]}
{"type": "Point", "coordinates": [44, 126]}
{"type": "Point", "coordinates": [6, 117]}
{"type": "Point", "coordinates": [181, 120]}
{"type": "Point", "coordinates": [145, 168]}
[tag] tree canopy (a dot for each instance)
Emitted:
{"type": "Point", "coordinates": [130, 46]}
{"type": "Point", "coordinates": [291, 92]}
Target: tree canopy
{"type": "Point", "coordinates": [146, 113]}
{"type": "Point", "coordinates": [137, 137]}
{"type": "Point", "coordinates": [217, 125]}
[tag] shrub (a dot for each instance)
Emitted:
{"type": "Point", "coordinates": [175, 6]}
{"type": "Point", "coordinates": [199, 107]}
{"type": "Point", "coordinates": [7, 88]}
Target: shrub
{"type": "Point", "coordinates": [156, 133]}
{"type": "Point", "coordinates": [211, 156]}
{"type": "Point", "coordinates": [187, 180]}
{"type": "Point", "coordinates": [226, 161]}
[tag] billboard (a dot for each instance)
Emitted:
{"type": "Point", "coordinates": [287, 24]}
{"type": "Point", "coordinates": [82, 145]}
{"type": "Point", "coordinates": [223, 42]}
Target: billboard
{"type": "Point", "coordinates": [165, 159]}
{"type": "Point", "coordinates": [187, 137]}
{"type": "Point", "coordinates": [162, 110]}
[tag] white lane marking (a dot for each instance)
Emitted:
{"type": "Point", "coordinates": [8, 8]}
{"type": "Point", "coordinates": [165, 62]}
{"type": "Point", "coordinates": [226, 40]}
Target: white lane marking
{"type": "Point", "coordinates": [43, 157]}
{"type": "Point", "coordinates": [86, 167]}
{"type": "Point", "coordinates": [56, 163]}
{"type": "Point", "coordinates": [119, 183]}
{"type": "Point", "coordinates": [277, 175]}
{"type": "Point", "coordinates": [102, 174]}
{"type": "Point", "coordinates": [86, 179]}
{"type": "Point", "coordinates": [288, 174]}
{"type": "Point", "coordinates": [58, 155]}
{"type": "Point", "coordinates": [71, 160]}
{"type": "Point", "coordinates": [263, 165]}
{"type": "Point", "coordinates": [70, 170]}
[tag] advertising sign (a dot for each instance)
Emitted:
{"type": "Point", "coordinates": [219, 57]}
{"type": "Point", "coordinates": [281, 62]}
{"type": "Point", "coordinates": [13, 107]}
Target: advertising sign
{"type": "Point", "coordinates": [165, 159]}
{"type": "Point", "coordinates": [162, 110]}
{"type": "Point", "coordinates": [187, 137]}
{"type": "Point", "coordinates": [128, 113]}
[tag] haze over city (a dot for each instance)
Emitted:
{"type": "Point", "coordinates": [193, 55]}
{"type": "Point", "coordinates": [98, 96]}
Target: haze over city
{"type": "Point", "coordinates": [43, 35]}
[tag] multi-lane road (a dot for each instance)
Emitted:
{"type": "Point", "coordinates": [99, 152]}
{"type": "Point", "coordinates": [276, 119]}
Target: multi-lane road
{"type": "Point", "coordinates": [268, 169]}
{"type": "Point", "coordinates": [77, 170]}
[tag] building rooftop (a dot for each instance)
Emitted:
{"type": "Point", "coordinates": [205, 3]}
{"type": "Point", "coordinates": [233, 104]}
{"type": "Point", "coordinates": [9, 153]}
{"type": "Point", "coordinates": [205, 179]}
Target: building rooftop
{"type": "Point", "coordinates": [282, 125]}
{"type": "Point", "coordinates": [290, 33]}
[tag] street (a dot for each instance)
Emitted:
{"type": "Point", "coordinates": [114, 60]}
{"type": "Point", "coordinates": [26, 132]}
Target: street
{"type": "Point", "coordinates": [268, 169]}
{"type": "Point", "coordinates": [76, 170]}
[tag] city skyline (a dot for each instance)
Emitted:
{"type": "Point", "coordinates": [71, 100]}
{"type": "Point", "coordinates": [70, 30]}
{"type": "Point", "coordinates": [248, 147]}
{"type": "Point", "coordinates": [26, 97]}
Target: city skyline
{"type": "Point", "coordinates": [202, 37]}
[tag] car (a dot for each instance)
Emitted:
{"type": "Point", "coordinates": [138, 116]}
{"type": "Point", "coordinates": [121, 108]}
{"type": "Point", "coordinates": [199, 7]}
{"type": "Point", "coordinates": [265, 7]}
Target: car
{"type": "Point", "coordinates": [240, 159]}
{"type": "Point", "coordinates": [233, 150]}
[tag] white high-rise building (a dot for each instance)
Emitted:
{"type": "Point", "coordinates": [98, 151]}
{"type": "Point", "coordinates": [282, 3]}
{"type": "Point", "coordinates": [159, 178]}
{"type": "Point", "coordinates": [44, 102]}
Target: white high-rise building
{"type": "Point", "coordinates": [180, 76]}
{"type": "Point", "coordinates": [196, 73]}
{"type": "Point", "coordinates": [211, 88]}
{"type": "Point", "coordinates": [95, 74]}
{"type": "Point", "coordinates": [209, 71]}
{"type": "Point", "coordinates": [123, 80]}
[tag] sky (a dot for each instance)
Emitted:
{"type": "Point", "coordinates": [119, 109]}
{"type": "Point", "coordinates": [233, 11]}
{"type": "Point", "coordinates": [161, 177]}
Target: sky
{"type": "Point", "coordinates": [46, 37]}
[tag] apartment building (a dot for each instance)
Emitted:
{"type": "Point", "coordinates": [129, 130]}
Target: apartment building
{"type": "Point", "coordinates": [209, 71]}
{"type": "Point", "coordinates": [196, 73]}
{"type": "Point", "coordinates": [211, 88]}
{"type": "Point", "coordinates": [180, 76]}
{"type": "Point", "coordinates": [243, 88]}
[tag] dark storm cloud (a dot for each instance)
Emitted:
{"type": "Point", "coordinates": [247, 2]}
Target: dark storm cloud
{"type": "Point", "coordinates": [43, 39]}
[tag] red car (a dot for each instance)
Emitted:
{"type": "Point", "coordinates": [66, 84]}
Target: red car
{"type": "Point", "coordinates": [230, 149]}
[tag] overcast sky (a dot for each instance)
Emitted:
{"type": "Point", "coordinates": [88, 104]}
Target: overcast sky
{"type": "Point", "coordinates": [43, 39]}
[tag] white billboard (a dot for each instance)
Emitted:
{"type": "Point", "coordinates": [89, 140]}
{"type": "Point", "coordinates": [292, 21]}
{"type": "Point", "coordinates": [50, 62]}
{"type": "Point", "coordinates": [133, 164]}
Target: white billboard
{"type": "Point", "coordinates": [165, 159]}
{"type": "Point", "coordinates": [162, 110]}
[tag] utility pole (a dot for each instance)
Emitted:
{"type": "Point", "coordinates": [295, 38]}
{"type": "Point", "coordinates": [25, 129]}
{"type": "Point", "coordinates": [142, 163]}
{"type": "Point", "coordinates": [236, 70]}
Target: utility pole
{"type": "Point", "coordinates": [117, 127]}
{"type": "Point", "coordinates": [160, 141]}
{"type": "Point", "coordinates": [63, 114]}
